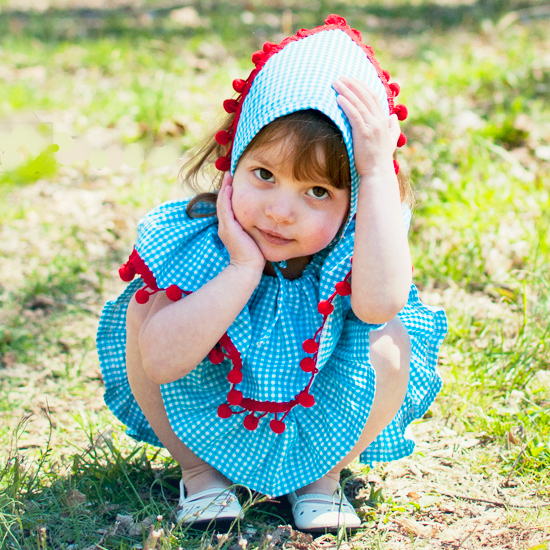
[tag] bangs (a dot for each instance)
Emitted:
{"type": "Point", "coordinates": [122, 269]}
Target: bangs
{"type": "Point", "coordinates": [314, 147]}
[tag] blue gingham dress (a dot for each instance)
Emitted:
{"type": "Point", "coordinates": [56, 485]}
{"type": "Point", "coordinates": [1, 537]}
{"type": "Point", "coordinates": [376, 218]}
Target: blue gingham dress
{"type": "Point", "coordinates": [268, 333]}
{"type": "Point", "coordinates": [279, 316]}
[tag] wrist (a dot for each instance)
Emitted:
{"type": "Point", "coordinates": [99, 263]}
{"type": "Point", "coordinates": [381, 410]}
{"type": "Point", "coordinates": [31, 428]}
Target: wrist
{"type": "Point", "coordinates": [246, 273]}
{"type": "Point", "coordinates": [379, 179]}
{"type": "Point", "coordinates": [382, 170]}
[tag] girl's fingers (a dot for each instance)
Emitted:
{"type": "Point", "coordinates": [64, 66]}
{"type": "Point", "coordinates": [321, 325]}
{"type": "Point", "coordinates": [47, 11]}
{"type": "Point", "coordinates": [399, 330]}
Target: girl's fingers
{"type": "Point", "coordinates": [223, 204]}
{"type": "Point", "coordinates": [352, 113]}
{"type": "Point", "coordinates": [361, 96]}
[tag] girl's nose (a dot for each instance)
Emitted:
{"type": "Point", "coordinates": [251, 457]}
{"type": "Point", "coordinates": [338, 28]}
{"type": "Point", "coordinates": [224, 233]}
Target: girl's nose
{"type": "Point", "coordinates": [281, 210]}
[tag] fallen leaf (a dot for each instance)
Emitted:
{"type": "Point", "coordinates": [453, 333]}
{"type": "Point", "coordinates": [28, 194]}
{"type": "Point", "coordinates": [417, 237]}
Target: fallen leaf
{"type": "Point", "coordinates": [412, 526]}
{"type": "Point", "coordinates": [75, 498]}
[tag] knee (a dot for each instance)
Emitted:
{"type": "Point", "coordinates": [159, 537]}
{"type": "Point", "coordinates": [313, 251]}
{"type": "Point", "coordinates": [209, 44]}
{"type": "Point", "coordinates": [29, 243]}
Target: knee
{"type": "Point", "coordinates": [136, 315]}
{"type": "Point", "coordinates": [390, 350]}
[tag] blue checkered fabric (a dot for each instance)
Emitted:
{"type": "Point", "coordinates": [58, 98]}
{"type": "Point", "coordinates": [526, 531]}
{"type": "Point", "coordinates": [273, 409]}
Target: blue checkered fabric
{"type": "Point", "coordinates": [279, 316]}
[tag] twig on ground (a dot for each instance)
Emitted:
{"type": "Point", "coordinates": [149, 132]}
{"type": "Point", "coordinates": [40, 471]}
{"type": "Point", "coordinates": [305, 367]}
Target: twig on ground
{"type": "Point", "coordinates": [495, 502]}
{"type": "Point", "coordinates": [467, 537]}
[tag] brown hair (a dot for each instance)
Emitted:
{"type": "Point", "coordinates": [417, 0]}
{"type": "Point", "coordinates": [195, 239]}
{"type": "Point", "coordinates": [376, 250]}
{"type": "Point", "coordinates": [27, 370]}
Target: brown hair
{"type": "Point", "coordinates": [317, 151]}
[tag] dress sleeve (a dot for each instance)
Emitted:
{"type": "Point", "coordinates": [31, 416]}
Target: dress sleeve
{"type": "Point", "coordinates": [175, 249]}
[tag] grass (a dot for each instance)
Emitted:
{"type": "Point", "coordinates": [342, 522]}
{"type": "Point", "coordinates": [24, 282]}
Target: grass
{"type": "Point", "coordinates": [479, 132]}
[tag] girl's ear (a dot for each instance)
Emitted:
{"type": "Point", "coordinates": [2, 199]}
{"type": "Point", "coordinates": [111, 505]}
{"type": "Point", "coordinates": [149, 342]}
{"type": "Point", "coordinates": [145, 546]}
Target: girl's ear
{"type": "Point", "coordinates": [394, 129]}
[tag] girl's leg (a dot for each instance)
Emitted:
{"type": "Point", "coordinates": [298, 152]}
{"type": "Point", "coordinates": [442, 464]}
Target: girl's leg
{"type": "Point", "coordinates": [390, 356]}
{"type": "Point", "coordinates": [197, 474]}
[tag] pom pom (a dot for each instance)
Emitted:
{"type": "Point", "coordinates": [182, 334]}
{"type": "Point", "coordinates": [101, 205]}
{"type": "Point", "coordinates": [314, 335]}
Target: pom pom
{"type": "Point", "coordinates": [239, 85]}
{"type": "Point", "coordinates": [402, 140]}
{"type": "Point", "coordinates": [230, 105]}
{"type": "Point", "coordinates": [302, 32]}
{"type": "Point", "coordinates": [174, 293]}
{"type": "Point", "coordinates": [223, 164]}
{"type": "Point", "coordinates": [395, 88]}
{"type": "Point", "coordinates": [401, 111]}
{"type": "Point", "coordinates": [127, 272]}
{"type": "Point", "coordinates": [215, 356]}
{"type": "Point", "coordinates": [277, 426]}
{"type": "Point", "coordinates": [357, 34]}
{"type": "Point", "coordinates": [310, 346]}
{"type": "Point", "coordinates": [142, 296]}
{"type": "Point", "coordinates": [268, 46]}
{"type": "Point", "coordinates": [224, 411]}
{"type": "Point", "coordinates": [325, 307]}
{"type": "Point", "coordinates": [234, 397]}
{"type": "Point", "coordinates": [257, 56]}
{"type": "Point", "coordinates": [396, 166]}
{"type": "Point", "coordinates": [386, 75]}
{"type": "Point", "coordinates": [235, 376]}
{"type": "Point", "coordinates": [306, 399]}
{"type": "Point", "coordinates": [343, 288]}
{"type": "Point", "coordinates": [251, 422]}
{"type": "Point", "coordinates": [334, 19]}
{"type": "Point", "coordinates": [223, 137]}
{"type": "Point", "coordinates": [307, 364]}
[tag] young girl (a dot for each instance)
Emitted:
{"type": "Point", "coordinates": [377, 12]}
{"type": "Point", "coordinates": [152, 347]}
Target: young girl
{"type": "Point", "coordinates": [249, 347]}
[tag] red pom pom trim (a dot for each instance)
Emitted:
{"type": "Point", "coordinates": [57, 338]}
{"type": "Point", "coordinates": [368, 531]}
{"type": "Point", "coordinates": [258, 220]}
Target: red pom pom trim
{"type": "Point", "coordinates": [142, 296]}
{"type": "Point", "coordinates": [402, 140]}
{"type": "Point", "coordinates": [127, 272]}
{"type": "Point", "coordinates": [235, 376]}
{"type": "Point", "coordinates": [239, 85]}
{"type": "Point", "coordinates": [174, 293]}
{"type": "Point", "coordinates": [310, 346]}
{"type": "Point", "coordinates": [396, 166]}
{"type": "Point", "coordinates": [277, 426]}
{"type": "Point", "coordinates": [343, 288]}
{"type": "Point", "coordinates": [401, 111]}
{"type": "Point", "coordinates": [334, 19]}
{"type": "Point", "coordinates": [215, 356]}
{"type": "Point", "coordinates": [386, 75]}
{"type": "Point", "coordinates": [223, 137]}
{"type": "Point", "coordinates": [234, 397]}
{"type": "Point", "coordinates": [251, 422]}
{"type": "Point", "coordinates": [395, 88]}
{"type": "Point", "coordinates": [257, 57]}
{"type": "Point", "coordinates": [325, 307]}
{"type": "Point", "coordinates": [306, 399]}
{"type": "Point", "coordinates": [224, 411]}
{"type": "Point", "coordinates": [223, 164]}
{"type": "Point", "coordinates": [268, 46]}
{"type": "Point", "coordinates": [307, 364]}
{"type": "Point", "coordinates": [230, 105]}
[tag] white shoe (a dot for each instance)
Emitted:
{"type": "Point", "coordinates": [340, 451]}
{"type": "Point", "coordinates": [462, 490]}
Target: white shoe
{"type": "Point", "coordinates": [213, 506]}
{"type": "Point", "coordinates": [318, 512]}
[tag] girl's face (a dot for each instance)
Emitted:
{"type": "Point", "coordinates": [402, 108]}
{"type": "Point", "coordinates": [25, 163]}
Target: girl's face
{"type": "Point", "coordinates": [285, 217]}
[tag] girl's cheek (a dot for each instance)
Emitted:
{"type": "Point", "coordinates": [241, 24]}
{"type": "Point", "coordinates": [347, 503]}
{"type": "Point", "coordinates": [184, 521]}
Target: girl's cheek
{"type": "Point", "coordinates": [241, 204]}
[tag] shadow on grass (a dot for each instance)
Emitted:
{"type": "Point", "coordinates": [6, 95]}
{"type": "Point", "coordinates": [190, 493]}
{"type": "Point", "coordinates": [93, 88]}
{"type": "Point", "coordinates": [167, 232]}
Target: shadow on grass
{"type": "Point", "coordinates": [107, 497]}
{"type": "Point", "coordinates": [225, 19]}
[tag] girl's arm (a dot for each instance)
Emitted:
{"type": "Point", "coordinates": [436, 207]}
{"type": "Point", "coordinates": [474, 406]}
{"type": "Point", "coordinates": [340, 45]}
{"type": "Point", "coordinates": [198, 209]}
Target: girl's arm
{"type": "Point", "coordinates": [382, 269]}
{"type": "Point", "coordinates": [177, 336]}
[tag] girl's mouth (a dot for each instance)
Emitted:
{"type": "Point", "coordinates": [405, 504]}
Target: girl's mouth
{"type": "Point", "coordinates": [272, 237]}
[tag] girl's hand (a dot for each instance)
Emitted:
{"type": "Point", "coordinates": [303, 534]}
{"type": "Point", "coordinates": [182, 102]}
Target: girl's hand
{"type": "Point", "coordinates": [374, 135]}
{"type": "Point", "coordinates": [243, 251]}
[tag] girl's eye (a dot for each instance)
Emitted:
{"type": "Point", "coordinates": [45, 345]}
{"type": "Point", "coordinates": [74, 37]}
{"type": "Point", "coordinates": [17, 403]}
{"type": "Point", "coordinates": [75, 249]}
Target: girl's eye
{"type": "Point", "coordinates": [263, 174]}
{"type": "Point", "coordinates": [318, 192]}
